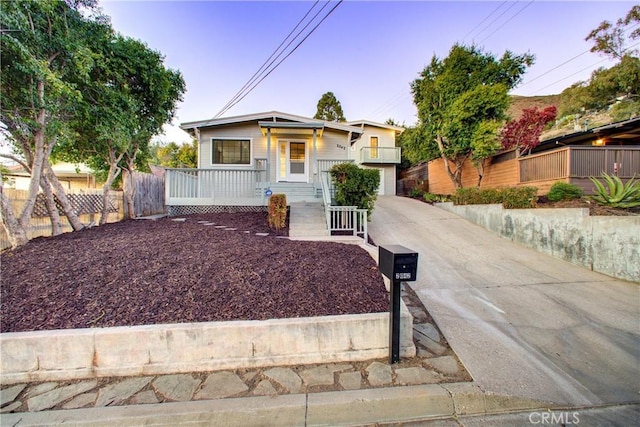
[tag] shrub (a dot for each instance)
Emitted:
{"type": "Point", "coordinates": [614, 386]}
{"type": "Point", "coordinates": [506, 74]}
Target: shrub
{"type": "Point", "coordinates": [564, 191]}
{"type": "Point", "coordinates": [519, 197]}
{"type": "Point", "coordinates": [277, 211]}
{"type": "Point", "coordinates": [511, 198]}
{"type": "Point", "coordinates": [617, 194]}
{"type": "Point", "coordinates": [416, 192]}
{"type": "Point", "coordinates": [435, 198]}
{"type": "Point", "coordinates": [355, 186]}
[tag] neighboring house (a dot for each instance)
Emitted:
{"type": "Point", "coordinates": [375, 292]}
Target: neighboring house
{"type": "Point", "coordinates": [72, 176]}
{"type": "Point", "coordinates": [573, 158]}
{"type": "Point", "coordinates": [243, 158]}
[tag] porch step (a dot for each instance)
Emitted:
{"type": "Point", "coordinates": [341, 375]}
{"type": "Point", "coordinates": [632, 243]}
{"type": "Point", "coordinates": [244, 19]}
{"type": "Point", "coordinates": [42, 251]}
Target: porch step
{"type": "Point", "coordinates": [307, 220]}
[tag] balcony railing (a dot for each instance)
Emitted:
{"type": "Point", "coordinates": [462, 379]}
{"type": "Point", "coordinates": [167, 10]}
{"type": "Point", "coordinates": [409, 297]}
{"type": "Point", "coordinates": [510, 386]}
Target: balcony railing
{"type": "Point", "coordinates": [380, 155]}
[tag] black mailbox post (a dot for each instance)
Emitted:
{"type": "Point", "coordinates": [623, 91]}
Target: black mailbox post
{"type": "Point", "coordinates": [399, 264]}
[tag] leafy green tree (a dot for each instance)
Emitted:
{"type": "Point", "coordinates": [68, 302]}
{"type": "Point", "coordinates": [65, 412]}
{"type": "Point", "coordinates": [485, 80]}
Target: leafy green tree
{"type": "Point", "coordinates": [459, 99]}
{"type": "Point", "coordinates": [613, 39]}
{"type": "Point", "coordinates": [43, 48]}
{"type": "Point", "coordinates": [329, 109]}
{"type": "Point", "coordinates": [173, 155]}
{"type": "Point", "coordinates": [128, 95]}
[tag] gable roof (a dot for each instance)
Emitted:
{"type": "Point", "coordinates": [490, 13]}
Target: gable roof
{"type": "Point", "coordinates": [273, 116]}
{"type": "Point", "coordinates": [361, 123]}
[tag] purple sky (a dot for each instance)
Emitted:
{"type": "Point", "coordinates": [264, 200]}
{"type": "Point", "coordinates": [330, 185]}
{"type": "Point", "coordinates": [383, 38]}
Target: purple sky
{"type": "Point", "coordinates": [367, 53]}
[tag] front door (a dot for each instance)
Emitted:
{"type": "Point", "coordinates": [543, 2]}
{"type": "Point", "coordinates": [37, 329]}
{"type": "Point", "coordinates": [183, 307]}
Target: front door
{"type": "Point", "coordinates": [292, 161]}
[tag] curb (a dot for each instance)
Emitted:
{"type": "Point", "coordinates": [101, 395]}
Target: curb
{"type": "Point", "coordinates": [337, 408]}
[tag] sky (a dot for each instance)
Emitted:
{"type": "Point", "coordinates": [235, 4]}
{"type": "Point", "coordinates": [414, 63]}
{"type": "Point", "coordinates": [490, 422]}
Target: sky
{"type": "Point", "coordinates": [366, 52]}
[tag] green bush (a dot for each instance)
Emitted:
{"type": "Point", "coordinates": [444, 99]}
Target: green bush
{"type": "Point", "coordinates": [511, 198]}
{"type": "Point", "coordinates": [617, 194]}
{"type": "Point", "coordinates": [355, 186]}
{"type": "Point", "coordinates": [466, 196]}
{"type": "Point", "coordinates": [435, 198]}
{"type": "Point", "coordinates": [564, 191]}
{"type": "Point", "coordinates": [416, 192]}
{"type": "Point", "coordinates": [519, 197]}
{"type": "Point", "coordinates": [277, 211]}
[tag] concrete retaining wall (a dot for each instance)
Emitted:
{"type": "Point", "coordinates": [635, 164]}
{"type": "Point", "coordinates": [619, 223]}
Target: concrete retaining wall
{"type": "Point", "coordinates": [606, 244]}
{"type": "Point", "coordinates": [161, 349]}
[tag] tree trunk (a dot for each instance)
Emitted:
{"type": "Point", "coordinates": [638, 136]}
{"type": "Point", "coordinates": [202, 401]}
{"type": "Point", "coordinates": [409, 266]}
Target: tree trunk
{"type": "Point", "coordinates": [50, 202]}
{"type": "Point", "coordinates": [67, 208]}
{"type": "Point", "coordinates": [454, 176]}
{"type": "Point", "coordinates": [36, 166]}
{"type": "Point", "coordinates": [114, 171]}
{"type": "Point", "coordinates": [480, 169]}
{"type": "Point", "coordinates": [16, 233]}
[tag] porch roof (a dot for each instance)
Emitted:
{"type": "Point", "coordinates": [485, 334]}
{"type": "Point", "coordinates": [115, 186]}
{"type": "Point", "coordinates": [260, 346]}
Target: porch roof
{"type": "Point", "coordinates": [282, 120]}
{"type": "Point", "coordinates": [286, 127]}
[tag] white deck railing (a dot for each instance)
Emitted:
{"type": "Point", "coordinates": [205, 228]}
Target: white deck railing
{"type": "Point", "coordinates": [205, 186]}
{"type": "Point", "coordinates": [342, 218]}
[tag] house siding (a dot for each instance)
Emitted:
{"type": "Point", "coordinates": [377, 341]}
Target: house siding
{"type": "Point", "coordinates": [331, 145]}
{"type": "Point", "coordinates": [501, 172]}
{"type": "Point", "coordinates": [386, 138]}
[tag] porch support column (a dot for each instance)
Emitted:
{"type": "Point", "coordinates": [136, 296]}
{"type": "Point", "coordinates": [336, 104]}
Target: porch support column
{"type": "Point", "coordinates": [268, 155]}
{"type": "Point", "coordinates": [316, 172]}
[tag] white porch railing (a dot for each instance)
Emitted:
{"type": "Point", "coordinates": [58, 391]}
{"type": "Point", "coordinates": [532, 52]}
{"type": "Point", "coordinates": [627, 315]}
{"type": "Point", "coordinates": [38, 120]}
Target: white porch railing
{"type": "Point", "coordinates": [380, 155]}
{"type": "Point", "coordinates": [342, 218]}
{"type": "Point", "coordinates": [207, 186]}
{"type": "Point", "coordinates": [325, 164]}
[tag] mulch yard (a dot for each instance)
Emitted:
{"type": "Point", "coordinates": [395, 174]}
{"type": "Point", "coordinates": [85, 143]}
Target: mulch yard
{"type": "Point", "coordinates": [166, 271]}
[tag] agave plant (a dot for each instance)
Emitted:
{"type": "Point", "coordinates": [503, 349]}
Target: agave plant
{"type": "Point", "coordinates": [617, 194]}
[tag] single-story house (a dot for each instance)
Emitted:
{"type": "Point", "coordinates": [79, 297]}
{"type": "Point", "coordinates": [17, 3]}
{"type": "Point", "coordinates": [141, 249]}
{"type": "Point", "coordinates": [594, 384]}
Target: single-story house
{"type": "Point", "coordinates": [572, 158]}
{"type": "Point", "coordinates": [243, 158]}
{"type": "Point", "coordinates": [71, 175]}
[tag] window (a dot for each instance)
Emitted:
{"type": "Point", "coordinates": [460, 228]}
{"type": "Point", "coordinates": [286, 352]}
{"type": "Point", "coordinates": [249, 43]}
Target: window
{"type": "Point", "coordinates": [374, 146]}
{"type": "Point", "coordinates": [231, 151]}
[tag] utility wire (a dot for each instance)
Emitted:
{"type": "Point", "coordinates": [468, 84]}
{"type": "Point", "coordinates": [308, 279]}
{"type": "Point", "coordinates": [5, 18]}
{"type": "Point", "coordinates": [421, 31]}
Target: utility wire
{"type": "Point", "coordinates": [264, 64]}
{"type": "Point", "coordinates": [572, 59]}
{"type": "Point", "coordinates": [498, 17]}
{"type": "Point", "coordinates": [256, 83]}
{"type": "Point", "coordinates": [486, 17]}
{"type": "Point", "coordinates": [507, 21]}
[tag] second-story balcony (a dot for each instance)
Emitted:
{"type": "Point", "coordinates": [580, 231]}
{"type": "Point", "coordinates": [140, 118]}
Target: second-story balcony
{"type": "Point", "coordinates": [389, 155]}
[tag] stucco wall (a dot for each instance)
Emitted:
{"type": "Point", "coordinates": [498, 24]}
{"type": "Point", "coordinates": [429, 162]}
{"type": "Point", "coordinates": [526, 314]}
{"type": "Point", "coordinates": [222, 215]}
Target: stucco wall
{"type": "Point", "coordinates": [606, 244]}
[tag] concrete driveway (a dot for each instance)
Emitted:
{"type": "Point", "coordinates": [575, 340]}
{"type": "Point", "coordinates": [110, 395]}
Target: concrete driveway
{"type": "Point", "coordinates": [523, 323]}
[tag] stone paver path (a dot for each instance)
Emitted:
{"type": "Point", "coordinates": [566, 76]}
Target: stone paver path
{"type": "Point", "coordinates": [426, 368]}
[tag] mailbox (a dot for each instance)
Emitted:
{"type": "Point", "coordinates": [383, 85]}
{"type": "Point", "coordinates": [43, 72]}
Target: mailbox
{"type": "Point", "coordinates": [398, 263]}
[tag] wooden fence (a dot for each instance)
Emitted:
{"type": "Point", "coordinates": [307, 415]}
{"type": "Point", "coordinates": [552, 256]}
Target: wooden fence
{"type": "Point", "coordinates": [87, 202]}
{"type": "Point", "coordinates": [148, 196]}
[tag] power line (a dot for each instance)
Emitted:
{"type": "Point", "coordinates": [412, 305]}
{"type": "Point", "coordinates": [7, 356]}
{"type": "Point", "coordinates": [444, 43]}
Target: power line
{"type": "Point", "coordinates": [498, 17]}
{"type": "Point", "coordinates": [507, 21]}
{"type": "Point", "coordinates": [264, 76]}
{"type": "Point", "coordinates": [570, 75]}
{"type": "Point", "coordinates": [574, 58]}
{"type": "Point", "coordinates": [482, 22]}
{"type": "Point", "coordinates": [264, 64]}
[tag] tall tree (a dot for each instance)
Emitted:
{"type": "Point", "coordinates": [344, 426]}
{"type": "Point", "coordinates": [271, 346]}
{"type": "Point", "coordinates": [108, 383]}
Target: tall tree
{"type": "Point", "coordinates": [613, 39]}
{"type": "Point", "coordinates": [459, 100]}
{"type": "Point", "coordinates": [329, 109]}
{"type": "Point", "coordinates": [524, 133]}
{"type": "Point", "coordinates": [128, 96]}
{"type": "Point", "coordinates": [42, 46]}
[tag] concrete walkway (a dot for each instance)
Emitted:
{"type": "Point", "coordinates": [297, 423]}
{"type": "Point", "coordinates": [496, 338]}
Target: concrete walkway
{"type": "Point", "coordinates": [522, 323]}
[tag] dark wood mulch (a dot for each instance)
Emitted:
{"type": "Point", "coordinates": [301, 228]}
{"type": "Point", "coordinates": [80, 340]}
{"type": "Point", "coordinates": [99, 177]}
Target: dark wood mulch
{"type": "Point", "coordinates": [164, 271]}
